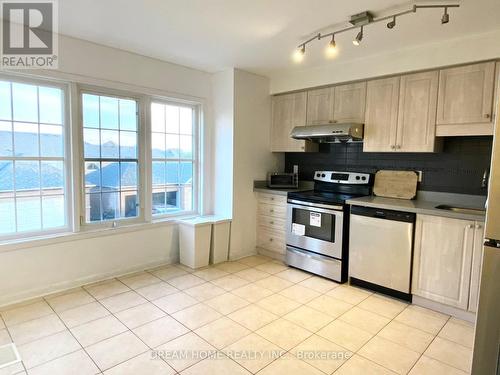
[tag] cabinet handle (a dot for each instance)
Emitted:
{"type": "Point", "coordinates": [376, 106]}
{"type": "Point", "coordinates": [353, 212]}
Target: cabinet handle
{"type": "Point", "coordinates": [270, 240]}
{"type": "Point", "coordinates": [393, 147]}
{"type": "Point", "coordinates": [272, 198]}
{"type": "Point", "coordinates": [271, 210]}
{"type": "Point", "coordinates": [398, 147]}
{"type": "Point", "coordinates": [478, 226]}
{"type": "Point", "coordinates": [334, 121]}
{"type": "Point", "coordinates": [469, 226]}
{"type": "Point", "coordinates": [271, 222]}
{"type": "Point", "coordinates": [486, 115]}
{"type": "Point", "coordinates": [303, 148]}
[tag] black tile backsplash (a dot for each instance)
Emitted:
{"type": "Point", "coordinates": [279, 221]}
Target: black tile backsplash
{"type": "Point", "coordinates": [458, 168]}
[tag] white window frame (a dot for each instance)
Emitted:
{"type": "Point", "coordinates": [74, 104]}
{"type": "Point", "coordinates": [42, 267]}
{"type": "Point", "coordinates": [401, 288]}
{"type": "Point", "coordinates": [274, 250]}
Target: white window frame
{"type": "Point", "coordinates": [67, 164]}
{"type": "Point", "coordinates": [141, 147]}
{"type": "Point", "coordinates": [197, 147]}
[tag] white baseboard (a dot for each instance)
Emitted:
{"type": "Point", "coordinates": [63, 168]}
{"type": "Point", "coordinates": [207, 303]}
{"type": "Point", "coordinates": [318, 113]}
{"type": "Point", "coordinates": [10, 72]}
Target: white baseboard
{"type": "Point", "coordinates": [449, 310]}
{"type": "Point", "coordinates": [270, 254]}
{"type": "Point", "coordinates": [241, 255]}
{"type": "Point", "coordinates": [12, 299]}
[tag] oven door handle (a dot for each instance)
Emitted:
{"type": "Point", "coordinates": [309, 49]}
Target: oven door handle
{"type": "Point", "coordinates": [319, 207]}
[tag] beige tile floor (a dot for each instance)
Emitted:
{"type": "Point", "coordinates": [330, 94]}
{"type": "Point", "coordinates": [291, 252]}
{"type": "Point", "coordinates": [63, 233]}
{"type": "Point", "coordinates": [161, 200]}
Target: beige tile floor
{"type": "Point", "coordinates": [251, 316]}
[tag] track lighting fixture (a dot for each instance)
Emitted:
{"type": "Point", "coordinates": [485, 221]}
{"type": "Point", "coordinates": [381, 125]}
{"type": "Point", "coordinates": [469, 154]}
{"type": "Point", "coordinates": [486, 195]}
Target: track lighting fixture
{"type": "Point", "coordinates": [363, 19]}
{"type": "Point", "coordinates": [446, 16]}
{"type": "Point", "coordinates": [298, 56]}
{"type": "Point", "coordinates": [390, 25]}
{"type": "Point", "coordinates": [358, 38]}
{"type": "Point", "coordinates": [331, 49]}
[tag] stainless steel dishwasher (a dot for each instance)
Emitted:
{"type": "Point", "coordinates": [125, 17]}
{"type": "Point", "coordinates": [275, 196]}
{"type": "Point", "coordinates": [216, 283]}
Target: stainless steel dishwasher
{"type": "Point", "coordinates": [380, 250]}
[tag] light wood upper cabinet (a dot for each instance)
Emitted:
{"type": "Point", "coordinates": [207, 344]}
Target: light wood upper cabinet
{"type": "Point", "coordinates": [381, 115]}
{"type": "Point", "coordinates": [407, 113]}
{"type": "Point", "coordinates": [320, 106]}
{"type": "Point", "coordinates": [416, 130]}
{"type": "Point", "coordinates": [288, 111]}
{"type": "Point", "coordinates": [442, 260]}
{"type": "Point", "coordinates": [350, 102]}
{"type": "Point", "coordinates": [465, 100]}
{"type": "Point", "coordinates": [477, 262]}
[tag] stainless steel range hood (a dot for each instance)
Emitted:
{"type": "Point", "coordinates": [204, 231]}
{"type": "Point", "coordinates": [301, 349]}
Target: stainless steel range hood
{"type": "Point", "coordinates": [330, 133]}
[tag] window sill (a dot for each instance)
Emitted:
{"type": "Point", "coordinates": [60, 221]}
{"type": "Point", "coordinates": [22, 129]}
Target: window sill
{"type": "Point", "coordinates": [23, 243]}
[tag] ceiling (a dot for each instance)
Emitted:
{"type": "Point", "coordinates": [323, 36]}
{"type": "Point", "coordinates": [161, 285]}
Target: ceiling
{"type": "Point", "coordinates": [260, 35]}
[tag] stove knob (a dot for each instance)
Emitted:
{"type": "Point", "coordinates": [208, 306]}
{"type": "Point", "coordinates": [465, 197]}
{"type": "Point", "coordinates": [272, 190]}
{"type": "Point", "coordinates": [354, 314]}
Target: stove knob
{"type": "Point", "coordinates": [318, 175]}
{"type": "Point", "coordinates": [363, 178]}
{"type": "Point", "coordinates": [323, 175]}
{"type": "Point", "coordinates": [357, 177]}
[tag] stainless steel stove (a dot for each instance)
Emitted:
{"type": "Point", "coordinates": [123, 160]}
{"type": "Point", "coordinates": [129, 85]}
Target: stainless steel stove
{"type": "Point", "coordinates": [317, 233]}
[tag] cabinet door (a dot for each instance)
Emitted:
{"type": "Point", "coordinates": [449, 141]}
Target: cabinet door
{"type": "Point", "coordinates": [477, 262]}
{"type": "Point", "coordinates": [442, 260]}
{"type": "Point", "coordinates": [320, 106]}
{"type": "Point", "coordinates": [288, 111]}
{"type": "Point", "coordinates": [350, 102]}
{"type": "Point", "coordinates": [381, 115]}
{"type": "Point", "coordinates": [465, 99]}
{"type": "Point", "coordinates": [417, 113]}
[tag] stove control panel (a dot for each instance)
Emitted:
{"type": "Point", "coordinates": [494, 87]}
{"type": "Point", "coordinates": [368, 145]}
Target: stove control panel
{"type": "Point", "coordinates": [342, 177]}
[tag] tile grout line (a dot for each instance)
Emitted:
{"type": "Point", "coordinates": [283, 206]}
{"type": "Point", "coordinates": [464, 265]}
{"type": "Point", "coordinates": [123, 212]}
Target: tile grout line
{"type": "Point", "coordinates": [250, 303]}
{"type": "Point", "coordinates": [12, 341]}
{"type": "Point", "coordinates": [71, 333]}
{"type": "Point", "coordinates": [455, 343]}
{"type": "Point", "coordinates": [110, 313]}
{"type": "Point", "coordinates": [128, 330]}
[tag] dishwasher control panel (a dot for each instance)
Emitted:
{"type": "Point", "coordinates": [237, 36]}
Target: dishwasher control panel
{"type": "Point", "coordinates": [407, 217]}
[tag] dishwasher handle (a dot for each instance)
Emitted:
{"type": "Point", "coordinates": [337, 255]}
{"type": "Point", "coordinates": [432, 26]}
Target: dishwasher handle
{"type": "Point", "coordinates": [377, 213]}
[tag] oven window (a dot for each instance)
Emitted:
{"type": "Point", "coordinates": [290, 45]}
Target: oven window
{"type": "Point", "coordinates": [318, 225]}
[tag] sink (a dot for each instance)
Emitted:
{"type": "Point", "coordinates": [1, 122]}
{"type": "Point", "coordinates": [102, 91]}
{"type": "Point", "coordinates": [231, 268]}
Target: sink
{"type": "Point", "coordinates": [463, 210]}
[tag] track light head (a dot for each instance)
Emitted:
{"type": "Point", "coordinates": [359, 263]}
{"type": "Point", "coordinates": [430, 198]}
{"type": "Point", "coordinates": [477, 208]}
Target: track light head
{"type": "Point", "coordinates": [331, 49]}
{"type": "Point", "coordinates": [391, 24]}
{"type": "Point", "coordinates": [299, 53]}
{"type": "Point", "coordinates": [446, 16]}
{"type": "Point", "coordinates": [358, 38]}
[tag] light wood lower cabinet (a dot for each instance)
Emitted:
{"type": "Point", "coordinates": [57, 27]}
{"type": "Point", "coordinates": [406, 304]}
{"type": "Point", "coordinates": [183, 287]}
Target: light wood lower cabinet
{"type": "Point", "coordinates": [477, 262]}
{"type": "Point", "coordinates": [443, 258]}
{"type": "Point", "coordinates": [271, 222]}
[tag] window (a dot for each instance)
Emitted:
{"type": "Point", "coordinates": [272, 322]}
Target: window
{"type": "Point", "coordinates": [110, 148]}
{"type": "Point", "coordinates": [33, 169]}
{"type": "Point", "coordinates": [173, 154]}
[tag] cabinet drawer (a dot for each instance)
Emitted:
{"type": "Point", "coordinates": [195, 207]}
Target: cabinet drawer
{"type": "Point", "coordinates": [271, 223]}
{"type": "Point", "coordinates": [272, 198]}
{"type": "Point", "coordinates": [272, 210]}
{"type": "Point", "coordinates": [271, 240]}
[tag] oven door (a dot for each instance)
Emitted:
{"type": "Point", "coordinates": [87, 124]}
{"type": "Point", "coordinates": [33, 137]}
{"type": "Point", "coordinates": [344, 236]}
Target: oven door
{"type": "Point", "coordinates": [315, 227]}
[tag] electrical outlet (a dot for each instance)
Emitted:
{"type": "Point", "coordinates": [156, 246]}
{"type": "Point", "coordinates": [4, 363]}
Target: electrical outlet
{"type": "Point", "coordinates": [420, 175]}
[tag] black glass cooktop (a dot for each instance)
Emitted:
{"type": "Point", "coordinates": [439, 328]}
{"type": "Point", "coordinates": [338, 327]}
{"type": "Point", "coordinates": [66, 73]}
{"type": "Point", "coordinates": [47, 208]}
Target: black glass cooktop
{"type": "Point", "coordinates": [314, 196]}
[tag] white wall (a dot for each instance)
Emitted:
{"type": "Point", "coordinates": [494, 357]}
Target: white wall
{"type": "Point", "coordinates": [222, 143]}
{"type": "Point", "coordinates": [252, 158]}
{"type": "Point", "coordinates": [242, 121]}
{"type": "Point", "coordinates": [456, 51]}
{"type": "Point", "coordinates": [33, 271]}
